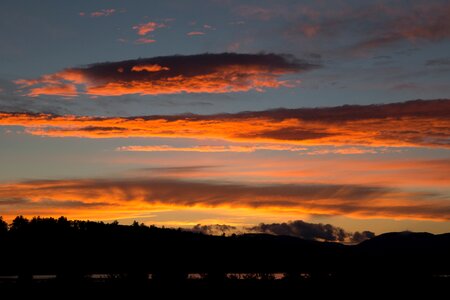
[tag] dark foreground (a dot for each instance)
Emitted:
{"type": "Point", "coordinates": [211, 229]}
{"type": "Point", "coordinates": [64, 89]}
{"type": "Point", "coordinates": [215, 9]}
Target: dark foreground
{"type": "Point", "coordinates": [348, 288]}
{"type": "Point", "coordinates": [65, 259]}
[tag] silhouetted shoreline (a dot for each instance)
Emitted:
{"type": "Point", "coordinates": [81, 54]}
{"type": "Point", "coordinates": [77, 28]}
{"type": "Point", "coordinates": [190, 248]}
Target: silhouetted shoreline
{"type": "Point", "coordinates": [46, 254]}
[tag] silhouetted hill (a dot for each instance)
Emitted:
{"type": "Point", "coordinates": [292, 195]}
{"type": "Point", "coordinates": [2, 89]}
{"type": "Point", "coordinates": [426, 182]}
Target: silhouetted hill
{"type": "Point", "coordinates": [407, 243]}
{"type": "Point", "coordinates": [74, 249]}
{"type": "Point", "coordinates": [406, 253]}
{"type": "Point", "coordinates": [404, 241]}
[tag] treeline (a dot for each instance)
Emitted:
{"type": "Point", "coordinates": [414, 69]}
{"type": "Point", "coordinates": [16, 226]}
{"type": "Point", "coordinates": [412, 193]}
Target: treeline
{"type": "Point", "coordinates": [74, 249]}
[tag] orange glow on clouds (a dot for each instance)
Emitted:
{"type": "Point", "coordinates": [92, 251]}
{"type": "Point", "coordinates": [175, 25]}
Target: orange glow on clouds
{"type": "Point", "coordinates": [232, 79]}
{"type": "Point", "coordinates": [149, 68]}
{"type": "Point", "coordinates": [140, 194]}
{"type": "Point", "coordinates": [205, 73]}
{"type": "Point", "coordinates": [415, 123]}
{"type": "Point", "coordinates": [64, 90]}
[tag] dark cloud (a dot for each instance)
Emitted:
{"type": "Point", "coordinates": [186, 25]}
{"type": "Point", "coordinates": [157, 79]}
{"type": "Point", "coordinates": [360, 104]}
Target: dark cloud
{"type": "Point", "coordinates": [359, 237]}
{"type": "Point", "coordinates": [298, 228]}
{"type": "Point", "coordinates": [312, 231]}
{"type": "Point", "coordinates": [13, 201]}
{"type": "Point", "coordinates": [288, 134]}
{"type": "Point", "coordinates": [25, 203]}
{"type": "Point", "coordinates": [48, 203]}
{"type": "Point", "coordinates": [345, 113]}
{"type": "Point", "coordinates": [201, 73]}
{"type": "Point", "coordinates": [215, 229]}
{"type": "Point", "coordinates": [303, 230]}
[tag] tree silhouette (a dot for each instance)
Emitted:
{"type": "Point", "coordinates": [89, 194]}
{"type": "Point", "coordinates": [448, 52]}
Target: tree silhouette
{"type": "Point", "coordinates": [19, 223]}
{"type": "Point", "coordinates": [3, 227]}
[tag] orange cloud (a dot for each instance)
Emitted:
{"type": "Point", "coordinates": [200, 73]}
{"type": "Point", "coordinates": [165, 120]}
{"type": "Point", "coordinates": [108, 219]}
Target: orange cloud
{"type": "Point", "coordinates": [206, 148]}
{"type": "Point", "coordinates": [65, 90]}
{"type": "Point", "coordinates": [203, 73]}
{"type": "Point", "coordinates": [140, 194]}
{"type": "Point", "coordinates": [195, 33]}
{"type": "Point", "coordinates": [413, 123]}
{"type": "Point", "coordinates": [149, 68]}
{"type": "Point", "coordinates": [143, 29]}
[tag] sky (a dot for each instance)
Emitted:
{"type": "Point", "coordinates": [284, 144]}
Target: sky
{"type": "Point", "coordinates": [237, 113]}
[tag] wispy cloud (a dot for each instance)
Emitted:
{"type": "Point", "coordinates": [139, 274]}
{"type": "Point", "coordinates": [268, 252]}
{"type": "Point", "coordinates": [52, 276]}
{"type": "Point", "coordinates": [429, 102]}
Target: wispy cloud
{"type": "Point", "coordinates": [413, 123]}
{"type": "Point", "coordinates": [343, 151]}
{"type": "Point", "coordinates": [366, 26]}
{"type": "Point", "coordinates": [343, 169]}
{"type": "Point", "coordinates": [100, 13]}
{"type": "Point", "coordinates": [209, 148]}
{"type": "Point", "coordinates": [144, 41]}
{"type": "Point", "coordinates": [145, 28]}
{"type": "Point", "coordinates": [202, 73]}
{"type": "Point", "coordinates": [427, 22]}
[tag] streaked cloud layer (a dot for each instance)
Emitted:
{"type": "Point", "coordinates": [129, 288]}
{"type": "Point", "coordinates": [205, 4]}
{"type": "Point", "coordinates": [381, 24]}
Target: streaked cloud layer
{"type": "Point", "coordinates": [413, 123]}
{"type": "Point", "coordinates": [202, 73]}
{"type": "Point", "coordinates": [346, 170]}
{"type": "Point", "coordinates": [142, 194]}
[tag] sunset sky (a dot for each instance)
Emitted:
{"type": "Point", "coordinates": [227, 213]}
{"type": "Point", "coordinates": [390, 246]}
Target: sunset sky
{"type": "Point", "coordinates": [179, 113]}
